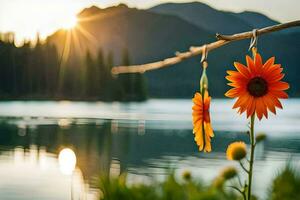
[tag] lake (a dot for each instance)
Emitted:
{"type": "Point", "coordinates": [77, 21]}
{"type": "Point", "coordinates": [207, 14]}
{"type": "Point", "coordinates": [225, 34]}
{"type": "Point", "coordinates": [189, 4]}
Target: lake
{"type": "Point", "coordinates": [57, 150]}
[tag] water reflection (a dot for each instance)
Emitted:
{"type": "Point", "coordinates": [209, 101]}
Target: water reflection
{"type": "Point", "coordinates": [115, 169]}
{"type": "Point", "coordinates": [33, 173]}
{"type": "Point", "coordinates": [67, 161]}
{"type": "Point", "coordinates": [64, 123]}
{"type": "Point", "coordinates": [36, 161]}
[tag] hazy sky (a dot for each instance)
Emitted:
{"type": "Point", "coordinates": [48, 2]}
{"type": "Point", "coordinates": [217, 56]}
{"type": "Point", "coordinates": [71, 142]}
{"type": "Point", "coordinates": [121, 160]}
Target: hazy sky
{"type": "Point", "coordinates": [26, 17]}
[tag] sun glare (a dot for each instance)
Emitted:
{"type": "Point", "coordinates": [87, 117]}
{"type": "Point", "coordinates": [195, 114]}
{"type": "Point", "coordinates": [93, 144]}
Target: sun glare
{"type": "Point", "coordinates": [67, 161]}
{"type": "Point", "coordinates": [69, 22]}
{"type": "Point", "coordinates": [45, 17]}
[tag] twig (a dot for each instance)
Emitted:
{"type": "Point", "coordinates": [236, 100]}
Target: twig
{"type": "Point", "coordinates": [240, 191]}
{"type": "Point", "coordinates": [244, 168]}
{"type": "Point", "coordinates": [194, 51]}
{"type": "Point", "coordinates": [239, 180]}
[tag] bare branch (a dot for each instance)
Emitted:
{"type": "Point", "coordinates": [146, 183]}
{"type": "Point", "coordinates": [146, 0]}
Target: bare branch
{"type": "Point", "coordinates": [194, 51]}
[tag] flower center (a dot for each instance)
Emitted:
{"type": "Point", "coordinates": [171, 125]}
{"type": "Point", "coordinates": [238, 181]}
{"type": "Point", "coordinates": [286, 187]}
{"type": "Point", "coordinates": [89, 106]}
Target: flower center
{"type": "Point", "coordinates": [257, 87]}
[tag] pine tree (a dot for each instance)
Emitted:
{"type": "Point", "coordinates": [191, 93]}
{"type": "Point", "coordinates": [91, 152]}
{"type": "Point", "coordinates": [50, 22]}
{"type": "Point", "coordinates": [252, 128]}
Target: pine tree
{"type": "Point", "coordinates": [52, 69]}
{"type": "Point", "coordinates": [113, 90]}
{"type": "Point", "coordinates": [133, 85]}
{"type": "Point", "coordinates": [103, 74]}
{"type": "Point", "coordinates": [126, 81]}
{"type": "Point", "coordinates": [35, 71]}
{"type": "Point", "coordinates": [38, 68]}
{"type": "Point", "coordinates": [89, 78]}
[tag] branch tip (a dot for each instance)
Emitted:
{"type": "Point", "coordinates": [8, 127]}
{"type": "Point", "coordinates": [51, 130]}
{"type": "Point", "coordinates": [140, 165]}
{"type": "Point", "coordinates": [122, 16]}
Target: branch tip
{"type": "Point", "coordinates": [218, 36]}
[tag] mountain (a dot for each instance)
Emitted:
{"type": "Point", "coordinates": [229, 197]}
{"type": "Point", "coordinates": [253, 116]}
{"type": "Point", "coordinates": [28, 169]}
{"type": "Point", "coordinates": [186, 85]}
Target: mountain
{"type": "Point", "coordinates": [283, 44]}
{"type": "Point", "coordinates": [255, 19]}
{"type": "Point", "coordinates": [217, 21]}
{"type": "Point", "coordinates": [157, 33]}
{"type": "Point", "coordinates": [148, 37]}
{"type": "Point", "coordinates": [258, 20]}
{"type": "Point", "coordinates": [115, 28]}
{"type": "Point", "coordinates": [204, 16]}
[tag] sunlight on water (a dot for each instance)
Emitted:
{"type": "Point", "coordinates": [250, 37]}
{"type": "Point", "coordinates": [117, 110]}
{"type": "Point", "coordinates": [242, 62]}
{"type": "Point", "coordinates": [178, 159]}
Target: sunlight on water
{"type": "Point", "coordinates": [55, 150]}
{"type": "Point", "coordinates": [35, 173]}
{"type": "Point", "coordinates": [64, 122]}
{"type": "Point", "coordinates": [67, 161]}
{"type": "Point", "coordinates": [154, 112]}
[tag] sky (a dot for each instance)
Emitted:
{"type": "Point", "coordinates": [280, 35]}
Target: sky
{"type": "Point", "coordinates": [27, 17]}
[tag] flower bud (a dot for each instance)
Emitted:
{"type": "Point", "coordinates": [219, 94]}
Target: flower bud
{"type": "Point", "coordinates": [228, 173]}
{"type": "Point", "coordinates": [260, 137]}
{"type": "Point", "coordinates": [203, 81]}
{"type": "Point", "coordinates": [236, 151]}
{"type": "Point", "coordinates": [187, 175]}
{"type": "Point", "coordinates": [218, 182]}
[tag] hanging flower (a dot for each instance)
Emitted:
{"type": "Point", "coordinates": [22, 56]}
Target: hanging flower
{"type": "Point", "coordinates": [236, 151]}
{"type": "Point", "coordinates": [257, 86]}
{"type": "Point", "coordinates": [201, 121]}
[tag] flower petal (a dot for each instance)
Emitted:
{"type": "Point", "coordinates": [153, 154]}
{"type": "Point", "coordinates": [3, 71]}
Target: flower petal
{"type": "Point", "coordinates": [251, 107]}
{"type": "Point", "coordinates": [269, 103]}
{"type": "Point", "coordinates": [279, 86]}
{"type": "Point", "coordinates": [233, 93]}
{"type": "Point", "coordinates": [258, 62]}
{"type": "Point", "coordinates": [260, 108]}
{"type": "Point", "coordinates": [251, 65]}
{"type": "Point", "coordinates": [279, 94]}
{"type": "Point", "coordinates": [242, 69]}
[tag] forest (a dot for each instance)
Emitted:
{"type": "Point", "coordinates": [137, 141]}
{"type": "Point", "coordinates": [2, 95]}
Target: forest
{"type": "Point", "coordinates": [37, 71]}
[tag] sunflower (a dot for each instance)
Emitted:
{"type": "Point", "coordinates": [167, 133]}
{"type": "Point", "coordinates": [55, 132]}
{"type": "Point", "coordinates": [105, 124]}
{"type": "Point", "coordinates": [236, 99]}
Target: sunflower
{"type": "Point", "coordinates": [236, 151]}
{"type": "Point", "coordinates": [257, 86]}
{"type": "Point", "coordinates": [201, 121]}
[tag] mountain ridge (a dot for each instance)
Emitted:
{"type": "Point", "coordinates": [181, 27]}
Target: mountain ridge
{"type": "Point", "coordinates": [151, 36]}
{"type": "Point", "coordinates": [204, 16]}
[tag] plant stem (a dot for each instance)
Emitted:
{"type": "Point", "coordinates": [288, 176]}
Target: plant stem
{"type": "Point", "coordinates": [241, 192]}
{"type": "Point", "coordinates": [243, 167]}
{"type": "Point", "coordinates": [252, 143]}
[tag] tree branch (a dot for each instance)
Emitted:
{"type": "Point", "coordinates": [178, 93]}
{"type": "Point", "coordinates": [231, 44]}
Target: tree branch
{"type": "Point", "coordinates": [194, 51]}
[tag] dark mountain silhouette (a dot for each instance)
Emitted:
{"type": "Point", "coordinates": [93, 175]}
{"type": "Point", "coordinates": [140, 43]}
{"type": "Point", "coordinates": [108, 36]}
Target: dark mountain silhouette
{"type": "Point", "coordinates": [204, 16]}
{"type": "Point", "coordinates": [214, 20]}
{"type": "Point", "coordinates": [255, 19]}
{"type": "Point", "coordinates": [143, 32]}
{"type": "Point", "coordinates": [148, 37]}
{"type": "Point", "coordinates": [159, 32]}
{"type": "Point", "coordinates": [258, 20]}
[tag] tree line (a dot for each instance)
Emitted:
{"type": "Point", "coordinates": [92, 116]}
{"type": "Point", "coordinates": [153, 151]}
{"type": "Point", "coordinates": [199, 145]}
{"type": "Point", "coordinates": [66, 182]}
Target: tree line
{"type": "Point", "coordinates": [37, 72]}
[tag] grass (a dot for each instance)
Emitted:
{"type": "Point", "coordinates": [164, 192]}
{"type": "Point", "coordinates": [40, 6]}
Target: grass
{"type": "Point", "coordinates": [285, 186]}
{"type": "Point", "coordinates": [169, 189]}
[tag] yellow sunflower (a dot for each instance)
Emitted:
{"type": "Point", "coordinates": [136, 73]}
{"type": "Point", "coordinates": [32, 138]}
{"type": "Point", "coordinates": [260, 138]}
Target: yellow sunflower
{"type": "Point", "coordinates": [236, 151]}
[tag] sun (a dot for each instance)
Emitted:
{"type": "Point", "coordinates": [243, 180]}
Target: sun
{"type": "Point", "coordinates": [69, 22]}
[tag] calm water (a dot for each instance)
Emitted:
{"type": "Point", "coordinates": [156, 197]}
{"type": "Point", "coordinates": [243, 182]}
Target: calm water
{"type": "Point", "coordinates": [55, 150]}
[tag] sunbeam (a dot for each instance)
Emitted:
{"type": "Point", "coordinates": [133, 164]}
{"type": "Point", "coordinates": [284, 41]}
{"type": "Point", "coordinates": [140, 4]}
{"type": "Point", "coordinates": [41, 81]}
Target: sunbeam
{"type": "Point", "coordinates": [86, 34]}
{"type": "Point", "coordinates": [64, 58]}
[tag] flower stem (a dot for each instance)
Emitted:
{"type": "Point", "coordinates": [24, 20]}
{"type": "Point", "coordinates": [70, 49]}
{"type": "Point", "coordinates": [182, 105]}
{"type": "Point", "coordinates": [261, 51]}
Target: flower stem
{"type": "Point", "coordinates": [243, 167]}
{"type": "Point", "coordinates": [252, 143]}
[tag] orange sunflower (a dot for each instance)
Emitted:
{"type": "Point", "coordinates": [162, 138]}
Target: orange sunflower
{"type": "Point", "coordinates": [257, 86]}
{"type": "Point", "coordinates": [201, 121]}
